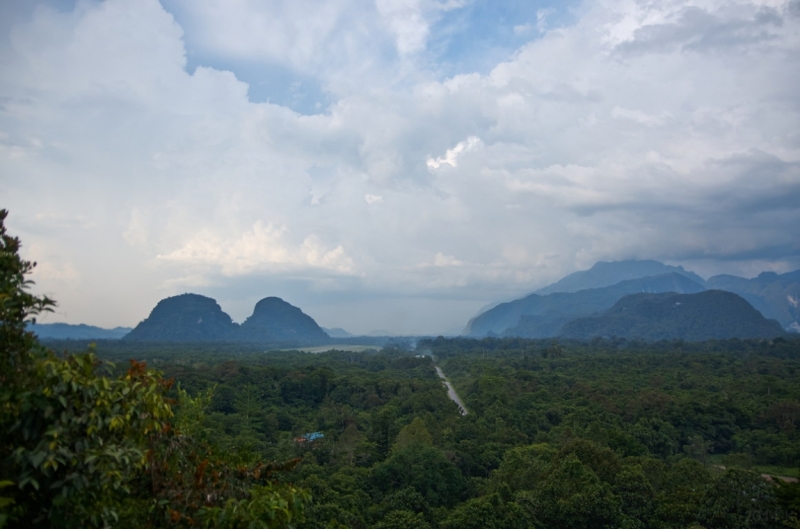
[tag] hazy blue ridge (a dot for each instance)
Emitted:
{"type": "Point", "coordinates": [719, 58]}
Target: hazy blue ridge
{"type": "Point", "coordinates": [604, 274]}
{"type": "Point", "coordinates": [196, 318]}
{"type": "Point", "coordinates": [81, 331]}
{"type": "Point", "coordinates": [274, 320]}
{"type": "Point", "coordinates": [185, 318]}
{"type": "Point", "coordinates": [541, 316]}
{"type": "Point", "coordinates": [337, 332]}
{"type": "Point", "coordinates": [709, 315]}
{"type": "Point", "coordinates": [776, 296]}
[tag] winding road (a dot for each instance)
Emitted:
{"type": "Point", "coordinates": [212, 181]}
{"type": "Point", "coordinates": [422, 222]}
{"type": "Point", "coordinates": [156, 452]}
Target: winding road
{"type": "Point", "coordinates": [451, 392]}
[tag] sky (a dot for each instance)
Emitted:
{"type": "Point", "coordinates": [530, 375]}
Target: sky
{"type": "Point", "coordinates": [391, 165]}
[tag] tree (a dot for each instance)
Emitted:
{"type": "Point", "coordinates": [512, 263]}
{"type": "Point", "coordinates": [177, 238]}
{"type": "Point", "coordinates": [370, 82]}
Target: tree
{"type": "Point", "coordinates": [523, 467]}
{"type": "Point", "coordinates": [423, 468]}
{"type": "Point", "coordinates": [741, 499]}
{"type": "Point", "coordinates": [572, 495]}
{"type": "Point", "coordinates": [414, 433]}
{"type": "Point", "coordinates": [17, 305]}
{"type": "Point", "coordinates": [72, 440]}
{"type": "Point", "coordinates": [191, 481]}
{"type": "Point", "coordinates": [697, 448]}
{"type": "Point", "coordinates": [489, 512]}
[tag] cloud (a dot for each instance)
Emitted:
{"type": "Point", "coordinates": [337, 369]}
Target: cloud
{"type": "Point", "coordinates": [451, 156]}
{"type": "Point", "coordinates": [306, 36]}
{"type": "Point", "coordinates": [691, 28]}
{"type": "Point", "coordinates": [262, 248]}
{"type": "Point", "coordinates": [131, 146]}
{"type": "Point", "coordinates": [639, 117]}
{"type": "Point", "coordinates": [406, 22]}
{"type": "Point", "coordinates": [441, 259]}
{"type": "Point", "coordinates": [410, 20]}
{"type": "Point", "coordinates": [333, 47]}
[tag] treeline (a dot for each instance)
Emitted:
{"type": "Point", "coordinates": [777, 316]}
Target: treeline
{"type": "Point", "coordinates": [603, 434]}
{"type": "Point", "coordinates": [600, 434]}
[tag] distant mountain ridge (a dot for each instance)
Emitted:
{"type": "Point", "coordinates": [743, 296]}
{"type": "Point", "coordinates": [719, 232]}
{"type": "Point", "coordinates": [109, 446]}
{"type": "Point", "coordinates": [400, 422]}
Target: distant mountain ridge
{"type": "Point", "coordinates": [81, 331]}
{"type": "Point", "coordinates": [196, 318]}
{"type": "Point", "coordinates": [590, 292]}
{"type": "Point", "coordinates": [541, 316]}
{"type": "Point", "coordinates": [605, 273]}
{"type": "Point", "coordinates": [707, 315]}
{"type": "Point", "coordinates": [776, 296]}
{"type": "Point", "coordinates": [337, 332]}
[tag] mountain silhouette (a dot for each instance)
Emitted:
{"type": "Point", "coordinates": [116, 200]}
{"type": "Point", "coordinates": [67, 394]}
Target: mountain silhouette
{"type": "Point", "coordinates": [712, 314]}
{"type": "Point", "coordinates": [196, 318]}
{"type": "Point", "coordinates": [185, 318]}
{"type": "Point", "coordinates": [541, 316]}
{"type": "Point", "coordinates": [605, 273]}
{"type": "Point", "coordinates": [276, 321]}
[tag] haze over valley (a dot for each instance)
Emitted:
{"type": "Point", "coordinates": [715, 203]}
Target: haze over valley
{"type": "Point", "coordinates": [610, 300]}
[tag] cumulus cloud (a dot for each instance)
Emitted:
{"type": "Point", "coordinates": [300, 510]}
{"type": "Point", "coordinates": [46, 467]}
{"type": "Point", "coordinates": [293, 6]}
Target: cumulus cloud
{"type": "Point", "coordinates": [130, 146]}
{"type": "Point", "coordinates": [451, 156]}
{"type": "Point", "coordinates": [262, 248]}
{"type": "Point", "coordinates": [441, 259]}
{"type": "Point", "coordinates": [406, 22]}
{"type": "Point", "coordinates": [639, 117]}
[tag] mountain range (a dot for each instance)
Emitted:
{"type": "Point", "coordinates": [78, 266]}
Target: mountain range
{"type": "Point", "coordinates": [547, 312]}
{"type": "Point", "coordinates": [707, 315]}
{"type": "Point", "coordinates": [605, 273]}
{"type": "Point", "coordinates": [610, 299]}
{"type": "Point", "coordinates": [776, 296]}
{"type": "Point", "coordinates": [542, 316]}
{"type": "Point", "coordinates": [196, 318]}
{"type": "Point", "coordinates": [66, 331]}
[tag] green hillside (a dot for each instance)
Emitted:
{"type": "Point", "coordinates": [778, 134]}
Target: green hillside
{"type": "Point", "coordinates": [712, 314]}
{"type": "Point", "coordinates": [538, 316]}
{"type": "Point", "coordinates": [776, 296]}
{"type": "Point", "coordinates": [276, 321]}
{"type": "Point", "coordinates": [185, 318]}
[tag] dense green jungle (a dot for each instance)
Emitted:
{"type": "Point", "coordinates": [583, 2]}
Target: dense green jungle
{"type": "Point", "coordinates": [595, 434]}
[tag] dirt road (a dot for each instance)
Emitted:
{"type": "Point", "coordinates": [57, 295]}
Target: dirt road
{"type": "Point", "coordinates": [451, 392]}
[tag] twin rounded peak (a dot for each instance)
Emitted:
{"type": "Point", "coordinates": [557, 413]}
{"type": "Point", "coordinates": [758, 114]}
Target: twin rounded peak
{"type": "Point", "coordinates": [270, 307]}
{"type": "Point", "coordinates": [193, 317]}
{"type": "Point", "coordinates": [270, 303]}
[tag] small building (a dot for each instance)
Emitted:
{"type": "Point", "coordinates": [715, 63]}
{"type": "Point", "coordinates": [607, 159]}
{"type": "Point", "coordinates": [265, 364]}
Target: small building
{"type": "Point", "coordinates": [309, 437]}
